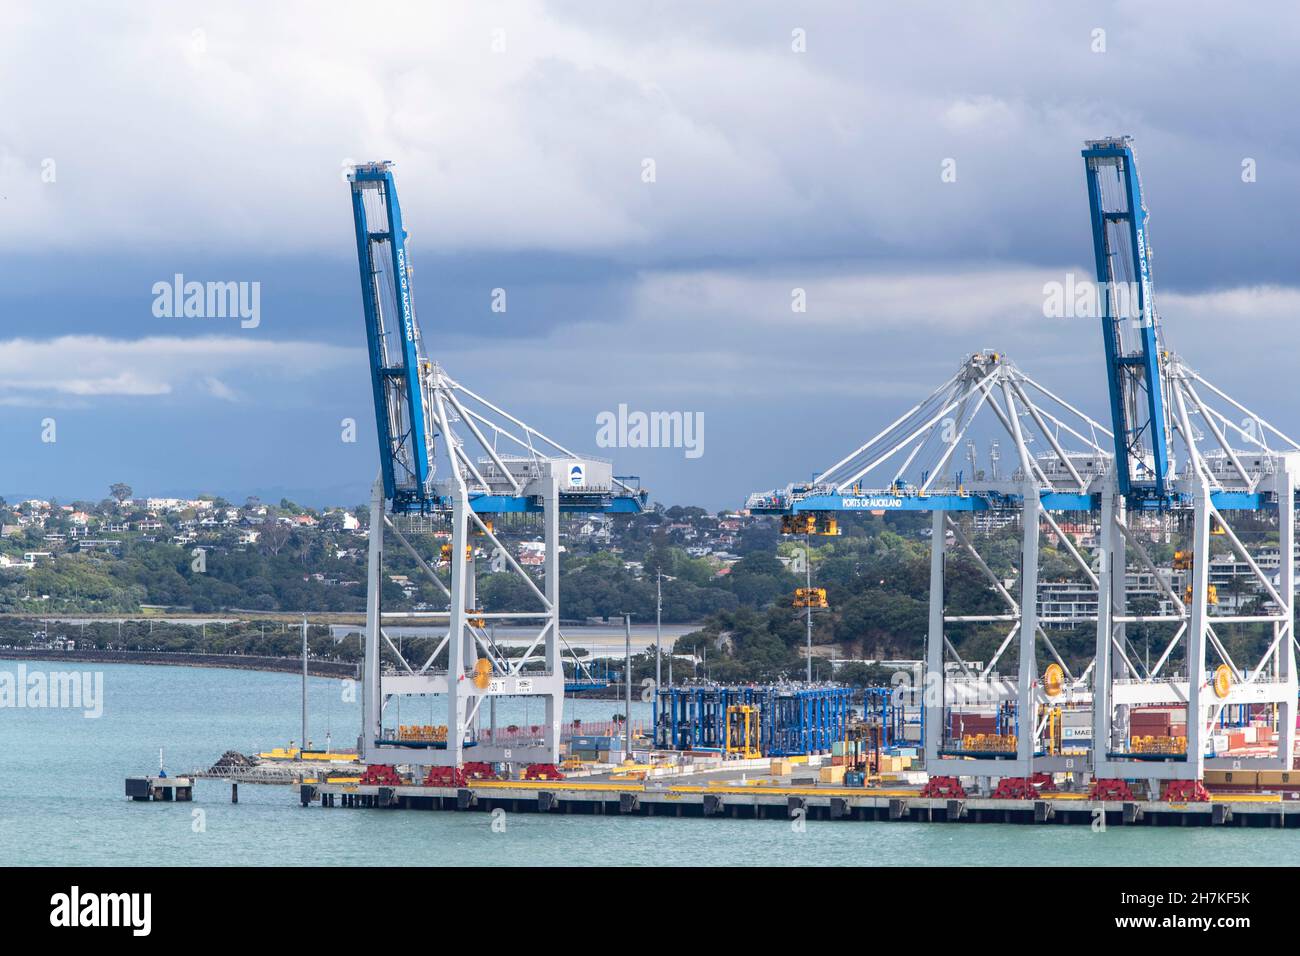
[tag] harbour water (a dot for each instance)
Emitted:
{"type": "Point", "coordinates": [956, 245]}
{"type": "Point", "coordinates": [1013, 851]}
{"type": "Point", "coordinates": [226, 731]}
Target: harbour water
{"type": "Point", "coordinates": [61, 801]}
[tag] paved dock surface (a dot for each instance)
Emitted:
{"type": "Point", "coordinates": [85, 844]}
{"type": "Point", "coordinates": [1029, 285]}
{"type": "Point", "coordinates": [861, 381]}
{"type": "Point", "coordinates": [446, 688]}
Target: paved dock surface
{"type": "Point", "coordinates": [724, 798]}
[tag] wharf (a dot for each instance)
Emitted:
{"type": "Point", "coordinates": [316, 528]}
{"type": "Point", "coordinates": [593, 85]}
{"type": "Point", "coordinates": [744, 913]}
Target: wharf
{"type": "Point", "coordinates": [780, 802]}
{"type": "Point", "coordinates": [160, 787]}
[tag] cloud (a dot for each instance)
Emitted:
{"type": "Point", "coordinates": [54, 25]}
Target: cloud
{"type": "Point", "coordinates": [780, 392]}
{"type": "Point", "coordinates": [524, 127]}
{"type": "Point", "coordinates": [693, 336]}
{"type": "Point", "coordinates": [1260, 305]}
{"type": "Point", "coordinates": [171, 138]}
{"type": "Point", "coordinates": [850, 302]}
{"type": "Point", "coordinates": [86, 367]}
{"type": "Point", "coordinates": [219, 389]}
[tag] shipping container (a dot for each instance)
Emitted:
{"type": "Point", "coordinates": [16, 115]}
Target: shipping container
{"type": "Point", "coordinates": [831, 775]}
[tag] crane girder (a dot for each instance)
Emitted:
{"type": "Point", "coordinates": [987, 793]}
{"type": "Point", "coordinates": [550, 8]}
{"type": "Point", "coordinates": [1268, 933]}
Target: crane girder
{"type": "Point", "coordinates": [392, 337]}
{"type": "Point", "coordinates": [1130, 324]}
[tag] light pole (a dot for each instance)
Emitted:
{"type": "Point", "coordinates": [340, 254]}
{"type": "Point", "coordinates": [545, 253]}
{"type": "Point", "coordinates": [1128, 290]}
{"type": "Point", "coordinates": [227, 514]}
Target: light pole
{"type": "Point", "coordinates": [627, 669]}
{"type": "Point", "coordinates": [807, 567]}
{"type": "Point", "coordinates": [659, 620]}
{"type": "Point", "coordinates": [303, 745]}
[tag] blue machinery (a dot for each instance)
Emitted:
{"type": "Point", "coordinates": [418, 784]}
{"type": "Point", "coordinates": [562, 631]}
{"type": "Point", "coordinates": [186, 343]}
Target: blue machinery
{"type": "Point", "coordinates": [1130, 327]}
{"type": "Point", "coordinates": [791, 721]}
{"type": "Point", "coordinates": [449, 457]}
{"type": "Point", "coordinates": [589, 675]}
{"type": "Point", "coordinates": [885, 707]}
{"type": "Point", "coordinates": [1228, 466]}
{"type": "Point", "coordinates": [992, 447]}
{"type": "Point", "coordinates": [395, 360]}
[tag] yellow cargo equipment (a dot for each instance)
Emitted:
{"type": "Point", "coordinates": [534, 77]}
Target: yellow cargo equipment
{"type": "Point", "coordinates": [798, 524]}
{"type": "Point", "coordinates": [810, 597]}
{"type": "Point", "coordinates": [742, 731]}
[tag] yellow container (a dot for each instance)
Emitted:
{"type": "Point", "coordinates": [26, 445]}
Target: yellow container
{"type": "Point", "coordinates": [834, 775]}
{"type": "Point", "coordinates": [1277, 778]}
{"type": "Point", "coordinates": [1238, 778]}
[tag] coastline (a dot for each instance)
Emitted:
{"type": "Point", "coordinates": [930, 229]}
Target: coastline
{"type": "Point", "coordinates": [246, 662]}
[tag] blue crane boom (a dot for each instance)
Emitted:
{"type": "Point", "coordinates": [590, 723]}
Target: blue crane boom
{"type": "Point", "coordinates": [417, 403]}
{"type": "Point", "coordinates": [393, 338]}
{"type": "Point", "coordinates": [1130, 325]}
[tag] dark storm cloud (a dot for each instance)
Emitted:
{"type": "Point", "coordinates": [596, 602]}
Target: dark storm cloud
{"type": "Point", "coordinates": [213, 145]}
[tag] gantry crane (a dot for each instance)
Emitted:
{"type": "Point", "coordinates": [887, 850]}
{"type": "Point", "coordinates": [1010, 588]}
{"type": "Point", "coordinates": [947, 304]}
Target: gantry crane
{"type": "Point", "coordinates": [1060, 457]}
{"type": "Point", "coordinates": [1157, 403]}
{"type": "Point", "coordinates": [449, 459]}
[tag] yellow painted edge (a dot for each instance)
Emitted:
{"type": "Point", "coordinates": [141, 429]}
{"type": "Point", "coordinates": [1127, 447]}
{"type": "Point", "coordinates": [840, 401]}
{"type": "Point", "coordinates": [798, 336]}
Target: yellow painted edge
{"type": "Point", "coordinates": [1246, 797]}
{"type": "Point", "coordinates": [801, 791]}
{"type": "Point", "coordinates": [551, 785]}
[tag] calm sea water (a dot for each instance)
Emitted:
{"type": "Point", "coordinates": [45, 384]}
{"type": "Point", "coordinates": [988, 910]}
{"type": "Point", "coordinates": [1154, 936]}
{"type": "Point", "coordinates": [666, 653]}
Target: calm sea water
{"type": "Point", "coordinates": [61, 801]}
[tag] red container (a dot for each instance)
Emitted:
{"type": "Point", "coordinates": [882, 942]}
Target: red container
{"type": "Point", "coordinates": [963, 724]}
{"type": "Point", "coordinates": [1150, 723]}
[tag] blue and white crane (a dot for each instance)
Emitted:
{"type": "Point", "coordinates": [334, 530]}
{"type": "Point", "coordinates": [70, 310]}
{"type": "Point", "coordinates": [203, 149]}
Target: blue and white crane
{"type": "Point", "coordinates": [392, 339]}
{"type": "Point", "coordinates": [450, 460]}
{"type": "Point", "coordinates": [1130, 324]}
{"type": "Point", "coordinates": [1160, 404]}
{"type": "Point", "coordinates": [944, 456]}
{"type": "Point", "coordinates": [1180, 455]}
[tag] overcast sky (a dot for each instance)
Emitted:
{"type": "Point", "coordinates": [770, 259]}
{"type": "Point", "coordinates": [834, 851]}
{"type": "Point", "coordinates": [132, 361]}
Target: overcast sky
{"type": "Point", "coordinates": [173, 138]}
